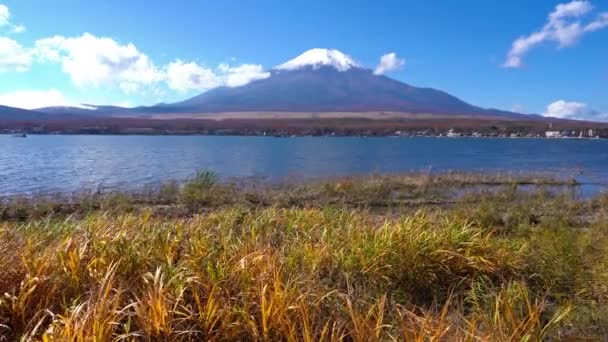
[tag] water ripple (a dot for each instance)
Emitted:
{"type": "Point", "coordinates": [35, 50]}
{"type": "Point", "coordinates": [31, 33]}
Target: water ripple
{"type": "Point", "coordinates": [72, 163]}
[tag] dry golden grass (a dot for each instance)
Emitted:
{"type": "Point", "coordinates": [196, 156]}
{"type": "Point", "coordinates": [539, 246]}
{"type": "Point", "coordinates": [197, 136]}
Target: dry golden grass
{"type": "Point", "coordinates": [310, 273]}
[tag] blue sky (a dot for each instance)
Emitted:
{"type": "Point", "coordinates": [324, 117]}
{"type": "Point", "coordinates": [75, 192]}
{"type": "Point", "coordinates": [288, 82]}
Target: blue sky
{"type": "Point", "coordinates": [142, 52]}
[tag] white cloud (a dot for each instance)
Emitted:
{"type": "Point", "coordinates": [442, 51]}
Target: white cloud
{"type": "Point", "coordinates": [598, 24]}
{"type": "Point", "coordinates": [92, 61]}
{"type": "Point", "coordinates": [98, 61]}
{"type": "Point", "coordinates": [564, 27]}
{"type": "Point", "coordinates": [389, 62]}
{"type": "Point", "coordinates": [5, 20]}
{"type": "Point", "coordinates": [236, 76]}
{"type": "Point", "coordinates": [566, 109]}
{"type": "Point", "coordinates": [19, 28]}
{"type": "Point", "coordinates": [129, 87]}
{"type": "Point", "coordinates": [574, 110]}
{"type": "Point", "coordinates": [574, 8]}
{"type": "Point", "coordinates": [32, 99]}
{"type": "Point", "coordinates": [13, 56]}
{"type": "Point", "coordinates": [123, 104]}
{"type": "Point", "coordinates": [183, 76]}
{"type": "Point", "coordinates": [5, 15]}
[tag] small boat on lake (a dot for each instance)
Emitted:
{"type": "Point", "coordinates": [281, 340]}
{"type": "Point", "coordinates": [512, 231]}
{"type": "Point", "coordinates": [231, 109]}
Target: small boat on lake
{"type": "Point", "coordinates": [19, 135]}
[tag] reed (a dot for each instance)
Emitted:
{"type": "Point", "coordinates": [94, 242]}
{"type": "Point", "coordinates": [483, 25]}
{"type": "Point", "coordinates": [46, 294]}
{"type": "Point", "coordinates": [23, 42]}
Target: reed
{"type": "Point", "coordinates": [335, 272]}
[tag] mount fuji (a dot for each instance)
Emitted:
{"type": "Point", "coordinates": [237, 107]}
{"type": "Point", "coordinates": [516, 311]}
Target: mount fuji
{"type": "Point", "coordinates": [327, 80]}
{"type": "Point", "coordinates": [317, 81]}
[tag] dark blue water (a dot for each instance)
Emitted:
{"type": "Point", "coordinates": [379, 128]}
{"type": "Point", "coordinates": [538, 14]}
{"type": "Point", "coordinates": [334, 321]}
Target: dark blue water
{"type": "Point", "coordinates": [71, 163]}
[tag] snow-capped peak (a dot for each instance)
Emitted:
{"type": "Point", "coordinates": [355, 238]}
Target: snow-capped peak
{"type": "Point", "coordinates": [317, 58]}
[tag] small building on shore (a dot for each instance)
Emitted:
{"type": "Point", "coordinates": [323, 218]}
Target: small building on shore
{"type": "Point", "coordinates": [452, 133]}
{"type": "Point", "coordinates": [553, 134]}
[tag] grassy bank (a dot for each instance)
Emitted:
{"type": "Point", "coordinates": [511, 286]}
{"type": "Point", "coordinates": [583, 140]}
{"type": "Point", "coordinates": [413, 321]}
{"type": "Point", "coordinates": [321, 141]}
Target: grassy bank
{"type": "Point", "coordinates": [402, 257]}
{"type": "Point", "coordinates": [205, 192]}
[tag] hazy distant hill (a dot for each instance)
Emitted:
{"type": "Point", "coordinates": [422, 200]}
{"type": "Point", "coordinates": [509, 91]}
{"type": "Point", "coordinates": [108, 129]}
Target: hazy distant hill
{"type": "Point", "coordinates": [16, 114]}
{"type": "Point", "coordinates": [85, 110]}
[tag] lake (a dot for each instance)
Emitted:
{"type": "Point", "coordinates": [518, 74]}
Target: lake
{"type": "Point", "coordinates": [66, 163]}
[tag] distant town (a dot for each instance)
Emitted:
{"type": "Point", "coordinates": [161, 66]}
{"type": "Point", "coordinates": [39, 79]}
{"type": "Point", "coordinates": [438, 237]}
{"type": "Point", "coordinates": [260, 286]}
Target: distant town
{"type": "Point", "coordinates": [567, 134]}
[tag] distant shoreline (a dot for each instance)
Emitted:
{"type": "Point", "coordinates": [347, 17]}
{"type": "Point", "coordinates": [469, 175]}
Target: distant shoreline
{"type": "Point", "coordinates": [159, 134]}
{"type": "Point", "coordinates": [323, 126]}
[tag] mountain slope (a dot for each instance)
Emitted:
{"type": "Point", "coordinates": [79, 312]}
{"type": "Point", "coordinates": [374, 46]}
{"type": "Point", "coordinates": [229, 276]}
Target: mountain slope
{"type": "Point", "coordinates": [327, 89]}
{"type": "Point", "coordinates": [85, 111]}
{"type": "Point", "coordinates": [17, 114]}
{"type": "Point", "coordinates": [322, 80]}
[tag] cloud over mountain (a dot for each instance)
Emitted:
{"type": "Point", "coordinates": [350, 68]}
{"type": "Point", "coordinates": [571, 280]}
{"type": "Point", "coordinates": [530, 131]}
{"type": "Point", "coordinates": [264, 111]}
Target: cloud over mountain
{"type": "Point", "coordinates": [574, 110]}
{"type": "Point", "coordinates": [389, 62]}
{"type": "Point", "coordinates": [33, 99]}
{"type": "Point", "coordinates": [236, 76]}
{"type": "Point", "coordinates": [183, 76]}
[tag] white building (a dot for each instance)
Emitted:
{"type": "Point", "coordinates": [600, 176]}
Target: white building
{"type": "Point", "coordinates": [451, 133]}
{"type": "Point", "coordinates": [553, 134]}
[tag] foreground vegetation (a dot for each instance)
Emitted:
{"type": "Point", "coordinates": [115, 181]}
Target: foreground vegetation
{"type": "Point", "coordinates": [403, 257]}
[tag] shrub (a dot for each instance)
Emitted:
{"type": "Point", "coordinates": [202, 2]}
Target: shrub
{"type": "Point", "coordinates": [198, 191]}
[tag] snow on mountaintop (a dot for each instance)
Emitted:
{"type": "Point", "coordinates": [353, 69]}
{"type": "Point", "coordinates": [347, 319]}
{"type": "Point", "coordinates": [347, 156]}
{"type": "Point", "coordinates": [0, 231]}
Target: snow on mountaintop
{"type": "Point", "coordinates": [318, 58]}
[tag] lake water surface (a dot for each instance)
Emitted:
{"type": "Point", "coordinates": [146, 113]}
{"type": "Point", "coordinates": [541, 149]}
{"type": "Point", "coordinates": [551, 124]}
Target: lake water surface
{"type": "Point", "coordinates": [49, 163]}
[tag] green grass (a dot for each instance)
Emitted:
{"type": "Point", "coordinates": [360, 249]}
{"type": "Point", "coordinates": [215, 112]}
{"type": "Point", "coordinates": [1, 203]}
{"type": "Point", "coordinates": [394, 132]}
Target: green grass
{"type": "Point", "coordinates": [343, 259]}
{"type": "Point", "coordinates": [205, 192]}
